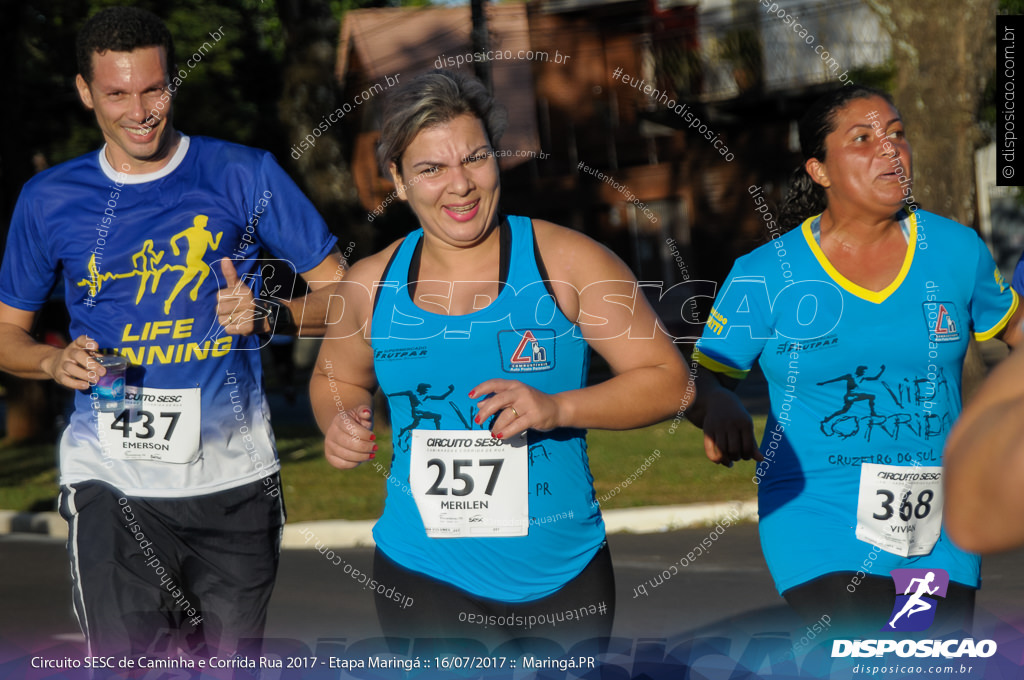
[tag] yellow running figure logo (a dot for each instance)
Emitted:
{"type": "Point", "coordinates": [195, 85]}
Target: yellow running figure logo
{"type": "Point", "coordinates": [146, 263]}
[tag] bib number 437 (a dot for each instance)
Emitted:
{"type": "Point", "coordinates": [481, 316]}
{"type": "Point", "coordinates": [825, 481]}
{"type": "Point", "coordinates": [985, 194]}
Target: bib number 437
{"type": "Point", "coordinates": [155, 425]}
{"type": "Point", "coordinates": [145, 429]}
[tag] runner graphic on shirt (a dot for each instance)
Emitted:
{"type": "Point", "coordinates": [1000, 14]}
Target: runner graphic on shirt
{"type": "Point", "coordinates": [199, 239]}
{"type": "Point", "coordinates": [853, 393]}
{"type": "Point", "coordinates": [146, 264]}
{"type": "Point", "coordinates": [416, 400]}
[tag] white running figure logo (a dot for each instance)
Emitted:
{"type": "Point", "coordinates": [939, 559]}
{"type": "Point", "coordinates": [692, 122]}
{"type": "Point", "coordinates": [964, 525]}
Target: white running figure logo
{"type": "Point", "coordinates": [915, 604]}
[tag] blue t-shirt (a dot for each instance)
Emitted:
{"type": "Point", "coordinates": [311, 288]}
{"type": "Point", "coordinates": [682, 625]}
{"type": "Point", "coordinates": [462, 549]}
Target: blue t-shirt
{"type": "Point", "coordinates": [427, 363]}
{"type": "Point", "coordinates": [139, 256]}
{"type": "Point", "coordinates": [855, 376]}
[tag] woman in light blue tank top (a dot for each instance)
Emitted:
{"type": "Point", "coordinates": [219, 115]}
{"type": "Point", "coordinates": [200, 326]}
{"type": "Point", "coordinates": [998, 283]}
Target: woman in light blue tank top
{"type": "Point", "coordinates": [478, 328]}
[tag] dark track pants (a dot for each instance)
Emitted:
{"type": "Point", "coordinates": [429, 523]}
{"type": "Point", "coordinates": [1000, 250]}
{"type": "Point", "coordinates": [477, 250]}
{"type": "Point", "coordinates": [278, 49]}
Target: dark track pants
{"type": "Point", "coordinates": [152, 575]}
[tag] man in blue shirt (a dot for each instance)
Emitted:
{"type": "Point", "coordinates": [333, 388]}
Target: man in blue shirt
{"type": "Point", "coordinates": [173, 501]}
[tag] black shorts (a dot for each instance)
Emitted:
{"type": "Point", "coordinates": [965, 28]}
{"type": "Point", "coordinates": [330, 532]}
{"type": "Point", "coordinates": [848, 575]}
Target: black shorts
{"type": "Point", "coordinates": [583, 608]}
{"type": "Point", "coordinates": [155, 575]}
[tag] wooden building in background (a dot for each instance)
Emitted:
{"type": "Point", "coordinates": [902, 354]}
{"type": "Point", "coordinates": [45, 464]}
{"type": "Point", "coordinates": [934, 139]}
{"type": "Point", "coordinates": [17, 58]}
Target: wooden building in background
{"type": "Point", "coordinates": [578, 104]}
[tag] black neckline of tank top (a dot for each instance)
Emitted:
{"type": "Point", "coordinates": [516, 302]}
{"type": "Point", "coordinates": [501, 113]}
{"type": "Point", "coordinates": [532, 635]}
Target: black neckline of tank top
{"type": "Point", "coordinates": [504, 247]}
{"type": "Point", "coordinates": [504, 254]}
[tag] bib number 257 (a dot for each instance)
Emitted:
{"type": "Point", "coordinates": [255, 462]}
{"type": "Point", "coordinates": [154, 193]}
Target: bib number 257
{"type": "Point", "coordinates": [467, 480]}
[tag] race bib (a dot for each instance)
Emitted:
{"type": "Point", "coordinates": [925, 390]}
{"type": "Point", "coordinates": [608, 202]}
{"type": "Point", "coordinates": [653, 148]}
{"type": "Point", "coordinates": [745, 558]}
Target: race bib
{"type": "Point", "coordinates": [160, 425]}
{"type": "Point", "coordinates": [899, 508]}
{"type": "Point", "coordinates": [466, 483]}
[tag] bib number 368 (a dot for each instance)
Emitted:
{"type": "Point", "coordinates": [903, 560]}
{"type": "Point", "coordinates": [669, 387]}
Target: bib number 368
{"type": "Point", "coordinates": [899, 508]}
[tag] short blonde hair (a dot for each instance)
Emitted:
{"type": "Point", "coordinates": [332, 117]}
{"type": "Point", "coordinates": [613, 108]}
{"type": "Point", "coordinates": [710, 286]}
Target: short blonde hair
{"type": "Point", "coordinates": [432, 99]}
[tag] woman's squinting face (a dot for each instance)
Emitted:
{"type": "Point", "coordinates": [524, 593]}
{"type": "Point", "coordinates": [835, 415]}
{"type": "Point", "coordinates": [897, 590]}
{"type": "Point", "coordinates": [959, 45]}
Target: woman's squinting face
{"type": "Point", "coordinates": [449, 176]}
{"type": "Point", "coordinates": [866, 156]}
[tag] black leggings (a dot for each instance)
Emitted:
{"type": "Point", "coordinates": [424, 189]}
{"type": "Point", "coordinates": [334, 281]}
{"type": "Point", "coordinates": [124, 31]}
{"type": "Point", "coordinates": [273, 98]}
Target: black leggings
{"type": "Point", "coordinates": [869, 607]}
{"type": "Point", "coordinates": [583, 608]}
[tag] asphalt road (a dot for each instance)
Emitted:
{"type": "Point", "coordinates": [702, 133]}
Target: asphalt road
{"type": "Point", "coordinates": [721, 610]}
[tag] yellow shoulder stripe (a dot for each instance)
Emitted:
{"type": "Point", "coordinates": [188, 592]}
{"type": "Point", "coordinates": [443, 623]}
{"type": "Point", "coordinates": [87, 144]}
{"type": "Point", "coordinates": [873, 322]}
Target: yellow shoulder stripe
{"type": "Point", "coordinates": [718, 367]}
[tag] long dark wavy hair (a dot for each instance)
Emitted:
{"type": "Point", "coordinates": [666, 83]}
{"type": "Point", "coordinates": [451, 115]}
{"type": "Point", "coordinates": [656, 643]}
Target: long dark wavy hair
{"type": "Point", "coordinates": [806, 197]}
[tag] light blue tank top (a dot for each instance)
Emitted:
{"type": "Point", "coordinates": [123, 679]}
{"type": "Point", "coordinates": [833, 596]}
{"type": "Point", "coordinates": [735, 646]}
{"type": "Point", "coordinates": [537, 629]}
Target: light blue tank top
{"type": "Point", "coordinates": [427, 363]}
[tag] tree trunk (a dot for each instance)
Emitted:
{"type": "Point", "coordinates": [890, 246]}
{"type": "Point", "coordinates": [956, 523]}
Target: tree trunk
{"type": "Point", "coordinates": [943, 54]}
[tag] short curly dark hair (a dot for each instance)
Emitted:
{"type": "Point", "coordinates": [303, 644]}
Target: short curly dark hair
{"type": "Point", "coordinates": [121, 29]}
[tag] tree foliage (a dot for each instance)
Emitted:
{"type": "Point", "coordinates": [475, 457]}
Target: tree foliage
{"type": "Point", "coordinates": [231, 92]}
{"type": "Point", "coordinates": [246, 87]}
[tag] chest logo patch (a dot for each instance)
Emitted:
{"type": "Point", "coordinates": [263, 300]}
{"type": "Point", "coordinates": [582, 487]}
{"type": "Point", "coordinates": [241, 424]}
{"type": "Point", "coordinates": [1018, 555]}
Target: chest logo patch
{"type": "Point", "coordinates": [941, 321]}
{"type": "Point", "coordinates": [527, 351]}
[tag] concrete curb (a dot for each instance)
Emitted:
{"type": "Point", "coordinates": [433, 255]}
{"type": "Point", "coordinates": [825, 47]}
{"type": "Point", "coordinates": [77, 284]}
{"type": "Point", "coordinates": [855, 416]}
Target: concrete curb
{"type": "Point", "coordinates": [649, 520]}
{"type": "Point", "coordinates": [47, 523]}
{"type": "Point", "coordinates": [656, 519]}
{"type": "Point", "coordinates": [358, 533]}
